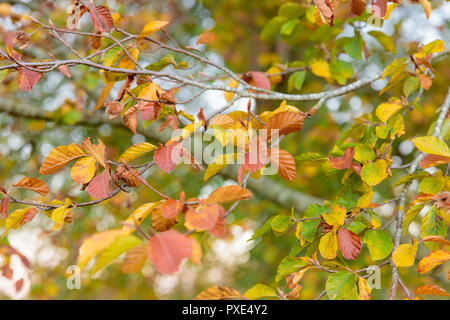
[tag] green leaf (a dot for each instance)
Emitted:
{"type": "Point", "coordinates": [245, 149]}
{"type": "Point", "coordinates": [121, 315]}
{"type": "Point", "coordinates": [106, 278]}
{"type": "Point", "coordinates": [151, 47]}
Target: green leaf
{"type": "Point", "coordinates": [432, 185]}
{"type": "Point", "coordinates": [384, 40]}
{"type": "Point", "coordinates": [288, 27]}
{"type": "Point", "coordinates": [341, 71]}
{"type": "Point", "coordinates": [341, 286]}
{"type": "Point", "coordinates": [311, 159]}
{"type": "Point", "coordinates": [117, 248]}
{"type": "Point", "coordinates": [291, 10]}
{"type": "Point", "coordinates": [272, 27]}
{"type": "Point", "coordinates": [296, 80]}
{"type": "Point", "coordinates": [432, 225]}
{"type": "Point", "coordinates": [259, 291]}
{"type": "Point", "coordinates": [266, 227]}
{"type": "Point", "coordinates": [111, 56]}
{"type": "Point", "coordinates": [280, 223]}
{"type": "Point", "coordinates": [354, 47]}
{"type": "Point", "coordinates": [410, 85]}
{"type": "Point", "coordinates": [379, 242]}
{"type": "Point", "coordinates": [363, 153]}
{"type": "Point", "coordinates": [289, 265]}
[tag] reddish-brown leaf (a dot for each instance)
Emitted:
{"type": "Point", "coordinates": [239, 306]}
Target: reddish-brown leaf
{"type": "Point", "coordinates": [432, 160]}
{"type": "Point", "coordinates": [34, 184]}
{"type": "Point", "coordinates": [102, 18]}
{"type": "Point", "coordinates": [358, 6]}
{"type": "Point", "coordinates": [99, 187]}
{"type": "Point", "coordinates": [343, 162]}
{"type": "Point", "coordinates": [167, 156]}
{"type": "Point", "coordinates": [203, 217]}
{"type": "Point", "coordinates": [130, 119]}
{"type": "Point", "coordinates": [167, 249]}
{"type": "Point", "coordinates": [19, 284]}
{"type": "Point", "coordinates": [349, 244]}
{"type": "Point", "coordinates": [286, 122]}
{"type": "Point", "coordinates": [159, 223]}
{"type": "Point", "coordinates": [4, 207]}
{"type": "Point", "coordinates": [285, 163]}
{"type": "Point", "coordinates": [326, 8]}
{"type": "Point", "coordinates": [64, 69]}
{"type": "Point", "coordinates": [379, 8]}
{"type": "Point", "coordinates": [171, 121]}
{"type": "Point", "coordinates": [229, 194]}
{"type": "Point", "coordinates": [150, 110]}
{"type": "Point", "coordinates": [171, 207]}
{"type": "Point", "coordinates": [114, 109]}
{"type": "Point", "coordinates": [27, 78]}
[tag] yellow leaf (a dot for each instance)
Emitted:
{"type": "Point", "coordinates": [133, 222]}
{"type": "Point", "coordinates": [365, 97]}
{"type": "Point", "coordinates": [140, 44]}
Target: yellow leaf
{"type": "Point", "coordinates": [136, 150]}
{"type": "Point", "coordinates": [432, 260]}
{"type": "Point", "coordinates": [126, 62]}
{"type": "Point", "coordinates": [83, 170]}
{"type": "Point", "coordinates": [328, 245]}
{"type": "Point", "coordinates": [321, 68]}
{"type": "Point", "coordinates": [14, 219]}
{"type": "Point", "coordinates": [150, 92]}
{"type": "Point", "coordinates": [432, 145]}
{"type": "Point", "coordinates": [386, 110]}
{"type": "Point", "coordinates": [196, 251]}
{"type": "Point", "coordinates": [151, 27]}
{"type": "Point", "coordinates": [95, 244]}
{"type": "Point", "coordinates": [138, 216]}
{"type": "Point", "coordinates": [364, 200]}
{"type": "Point", "coordinates": [336, 217]}
{"type": "Point", "coordinates": [135, 259]}
{"type": "Point", "coordinates": [364, 289]}
{"type": "Point", "coordinates": [232, 84]}
{"type": "Point", "coordinates": [405, 255]}
{"type": "Point", "coordinates": [374, 173]}
{"type": "Point", "coordinates": [119, 246]}
{"type": "Point", "coordinates": [435, 46]}
{"type": "Point", "coordinates": [259, 291]}
{"type": "Point", "coordinates": [59, 157]}
{"type": "Point", "coordinates": [59, 214]}
{"type": "Point", "coordinates": [218, 164]}
{"type": "Point", "coordinates": [389, 10]}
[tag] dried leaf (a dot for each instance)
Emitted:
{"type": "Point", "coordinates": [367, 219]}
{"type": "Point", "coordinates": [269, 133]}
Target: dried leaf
{"type": "Point", "coordinates": [27, 78]}
{"type": "Point", "coordinates": [34, 184]}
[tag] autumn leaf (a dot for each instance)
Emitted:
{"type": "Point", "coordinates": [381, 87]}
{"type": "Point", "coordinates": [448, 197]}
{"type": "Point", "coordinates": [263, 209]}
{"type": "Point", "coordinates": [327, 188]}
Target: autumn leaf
{"type": "Point", "coordinates": [373, 173]}
{"type": "Point", "coordinates": [96, 151]}
{"type": "Point", "coordinates": [229, 194]}
{"type": "Point", "coordinates": [229, 94]}
{"type": "Point", "coordinates": [432, 160]}
{"type": "Point", "coordinates": [167, 249]}
{"type": "Point", "coordinates": [358, 7]}
{"type": "Point", "coordinates": [151, 27]}
{"type": "Point", "coordinates": [167, 156]}
{"type": "Point", "coordinates": [326, 9]}
{"type": "Point", "coordinates": [405, 255]}
{"type": "Point", "coordinates": [342, 286]}
{"type": "Point", "coordinates": [59, 214]}
{"type": "Point", "coordinates": [171, 207]}
{"type": "Point", "coordinates": [349, 244]}
{"type": "Point", "coordinates": [285, 122]}
{"type": "Point", "coordinates": [203, 217]}
{"type": "Point", "coordinates": [4, 207]}
{"type": "Point", "coordinates": [343, 162]}
{"type": "Point", "coordinates": [219, 230]}
{"type": "Point", "coordinates": [102, 19]}
{"type": "Point", "coordinates": [27, 78]}
{"type": "Point", "coordinates": [218, 293]}
{"type": "Point", "coordinates": [135, 259]}
{"type": "Point", "coordinates": [431, 289]}
{"type": "Point", "coordinates": [95, 244]}
{"type": "Point", "coordinates": [130, 119]}
{"type": "Point", "coordinates": [83, 170]}
{"type": "Point", "coordinates": [136, 151]}
{"type": "Point", "coordinates": [206, 38]}
{"type": "Point", "coordinates": [259, 79]}
{"type": "Point", "coordinates": [259, 291]}
{"type": "Point", "coordinates": [432, 145]}
{"type": "Point", "coordinates": [34, 184]}
{"type": "Point", "coordinates": [386, 110]}
{"type": "Point", "coordinates": [59, 157]}
{"type": "Point", "coordinates": [99, 187]}
{"type": "Point", "coordinates": [285, 163]}
{"type": "Point", "coordinates": [379, 242]}
{"type": "Point", "coordinates": [379, 8]}
{"type": "Point", "coordinates": [328, 245]}
{"type": "Point", "coordinates": [336, 217]}
{"type": "Point", "coordinates": [364, 289]}
{"type": "Point", "coordinates": [433, 260]}
{"type": "Point", "coordinates": [159, 223]}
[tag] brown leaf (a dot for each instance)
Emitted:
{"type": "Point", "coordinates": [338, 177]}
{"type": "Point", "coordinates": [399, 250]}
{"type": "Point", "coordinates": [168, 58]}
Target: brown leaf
{"type": "Point", "coordinates": [99, 187]}
{"type": "Point", "coordinates": [358, 7]}
{"type": "Point", "coordinates": [349, 244]}
{"type": "Point", "coordinates": [19, 285]}
{"type": "Point", "coordinates": [34, 184]}
{"type": "Point", "coordinates": [27, 78]}
{"type": "Point", "coordinates": [130, 119]}
{"type": "Point", "coordinates": [64, 69]}
{"type": "Point", "coordinates": [128, 177]}
{"type": "Point", "coordinates": [4, 207]}
{"type": "Point", "coordinates": [425, 81]}
{"type": "Point", "coordinates": [167, 249]}
{"type": "Point", "coordinates": [114, 109]}
{"type": "Point", "coordinates": [218, 293]}
{"type": "Point", "coordinates": [150, 110]}
{"type": "Point", "coordinates": [96, 41]}
{"type": "Point", "coordinates": [379, 8]}
{"type": "Point", "coordinates": [343, 162]}
{"type": "Point", "coordinates": [326, 8]}
{"type": "Point", "coordinates": [102, 18]}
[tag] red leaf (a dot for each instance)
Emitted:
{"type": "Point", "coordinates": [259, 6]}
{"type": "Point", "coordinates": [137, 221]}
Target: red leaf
{"type": "Point", "coordinates": [167, 156]}
{"type": "Point", "coordinates": [167, 249]}
{"type": "Point", "coordinates": [64, 69]}
{"type": "Point", "coordinates": [7, 272]}
{"type": "Point", "coordinates": [4, 207]}
{"type": "Point", "coordinates": [102, 19]}
{"type": "Point", "coordinates": [379, 8]}
{"type": "Point", "coordinates": [343, 162]}
{"type": "Point", "coordinates": [203, 218]}
{"type": "Point", "coordinates": [19, 285]}
{"type": "Point", "coordinates": [171, 207]}
{"type": "Point", "coordinates": [260, 79]}
{"type": "Point", "coordinates": [349, 244]}
{"type": "Point", "coordinates": [99, 186]}
{"type": "Point", "coordinates": [150, 110]}
{"type": "Point", "coordinates": [27, 78]}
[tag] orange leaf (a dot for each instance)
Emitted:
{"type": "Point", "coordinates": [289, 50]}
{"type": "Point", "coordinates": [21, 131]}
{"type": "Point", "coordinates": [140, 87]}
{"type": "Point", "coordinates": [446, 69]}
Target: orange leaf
{"type": "Point", "coordinates": [34, 184]}
{"type": "Point", "coordinates": [223, 121]}
{"type": "Point", "coordinates": [83, 170]}
{"type": "Point", "coordinates": [358, 7]}
{"type": "Point", "coordinates": [286, 122]}
{"type": "Point", "coordinates": [343, 162]}
{"type": "Point", "coordinates": [218, 293]}
{"type": "Point", "coordinates": [135, 259]}
{"type": "Point", "coordinates": [285, 163]}
{"type": "Point", "coordinates": [96, 151]}
{"type": "Point", "coordinates": [229, 194]}
{"type": "Point", "coordinates": [219, 230]}
{"type": "Point", "coordinates": [27, 78]}
{"type": "Point", "coordinates": [167, 249]}
{"type": "Point", "coordinates": [130, 119]}
{"type": "Point", "coordinates": [433, 260]}
{"type": "Point", "coordinates": [159, 223]}
{"type": "Point", "coordinates": [432, 160]}
{"type": "Point", "coordinates": [59, 157]}
{"type": "Point", "coordinates": [202, 218]}
{"type": "Point", "coordinates": [171, 207]}
{"type": "Point", "coordinates": [167, 156]}
{"type": "Point", "coordinates": [431, 289]}
{"type": "Point", "coordinates": [206, 37]}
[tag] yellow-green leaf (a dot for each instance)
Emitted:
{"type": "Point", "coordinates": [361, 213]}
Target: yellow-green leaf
{"type": "Point", "coordinates": [136, 151]}
{"type": "Point", "coordinates": [432, 145]}
{"type": "Point", "coordinates": [259, 291]}
{"type": "Point", "coordinates": [386, 110]}
{"type": "Point", "coordinates": [336, 217]}
{"type": "Point", "coordinates": [374, 173]}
